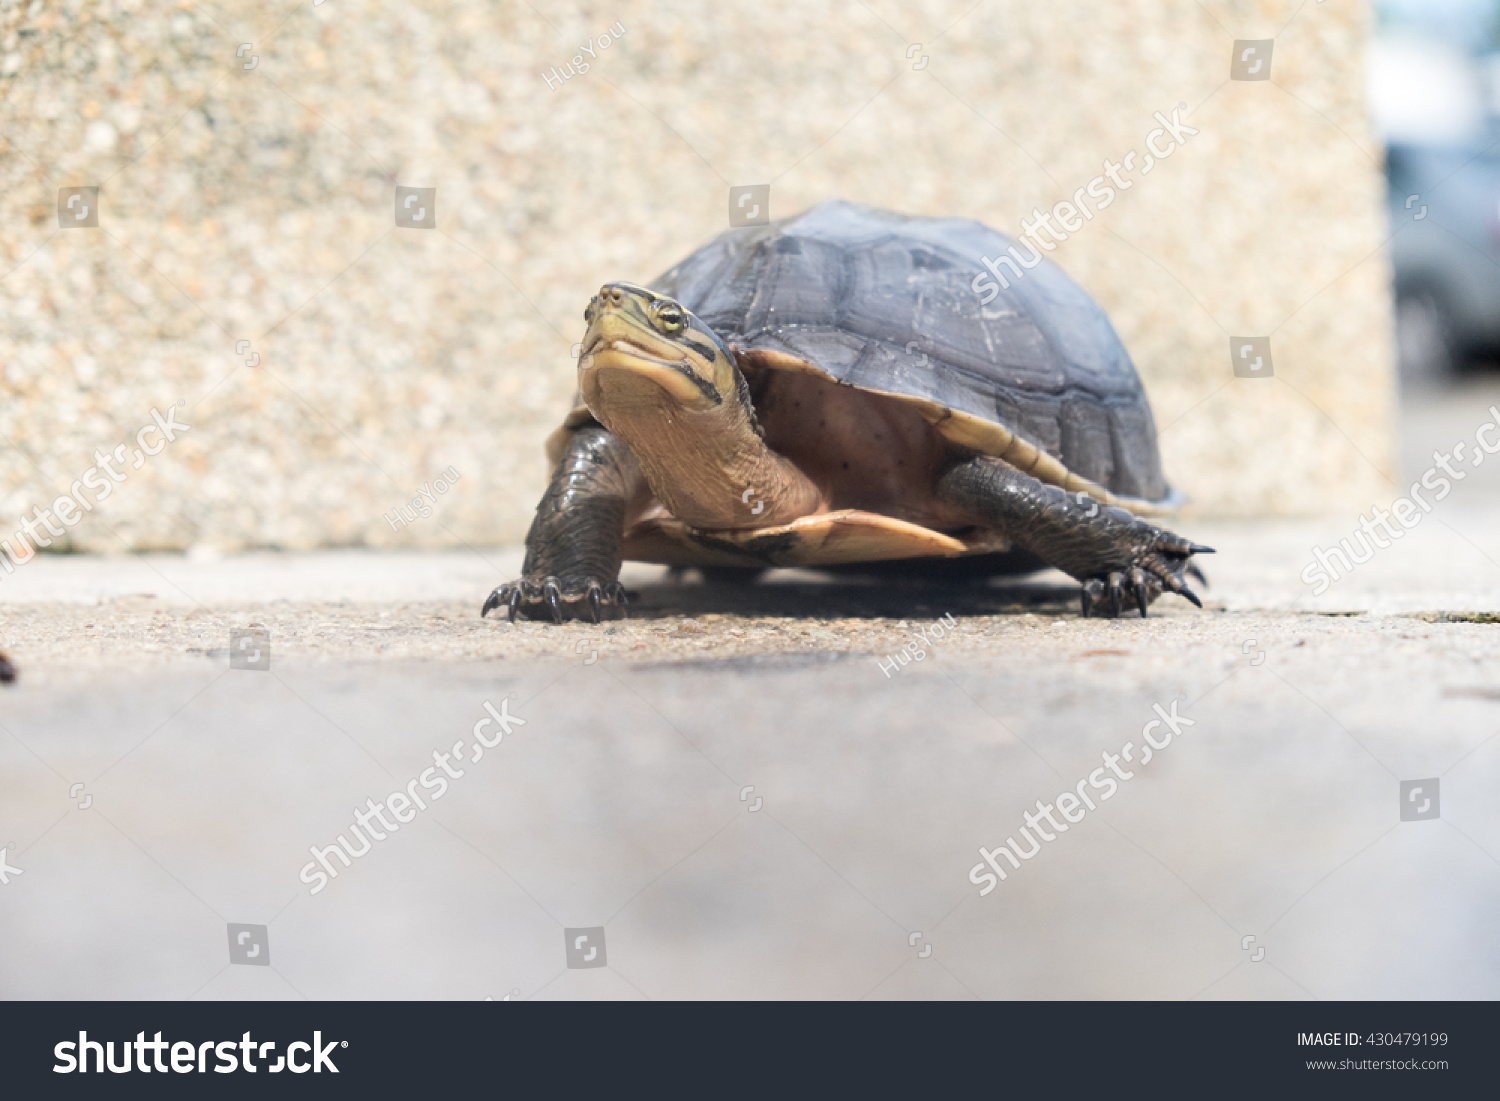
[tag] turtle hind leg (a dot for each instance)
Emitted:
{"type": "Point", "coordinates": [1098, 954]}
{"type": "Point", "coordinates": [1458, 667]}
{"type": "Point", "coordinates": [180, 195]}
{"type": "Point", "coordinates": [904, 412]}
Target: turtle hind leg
{"type": "Point", "coordinates": [1120, 560]}
{"type": "Point", "coordinates": [575, 545]}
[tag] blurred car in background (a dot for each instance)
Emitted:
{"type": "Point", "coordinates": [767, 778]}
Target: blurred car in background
{"type": "Point", "coordinates": [1445, 251]}
{"type": "Point", "coordinates": [1433, 78]}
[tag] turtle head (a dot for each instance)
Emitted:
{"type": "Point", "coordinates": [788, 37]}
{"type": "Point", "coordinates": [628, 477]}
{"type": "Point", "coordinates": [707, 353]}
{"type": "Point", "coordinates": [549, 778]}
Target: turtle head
{"type": "Point", "coordinates": [641, 346]}
{"type": "Point", "coordinates": [668, 386]}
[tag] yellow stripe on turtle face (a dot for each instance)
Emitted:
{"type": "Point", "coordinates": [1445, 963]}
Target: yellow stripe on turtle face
{"type": "Point", "coordinates": [638, 343]}
{"type": "Point", "coordinates": [622, 373]}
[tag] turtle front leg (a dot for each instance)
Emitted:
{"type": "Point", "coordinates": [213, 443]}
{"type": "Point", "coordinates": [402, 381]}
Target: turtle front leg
{"type": "Point", "coordinates": [1113, 554]}
{"type": "Point", "coordinates": [574, 547]}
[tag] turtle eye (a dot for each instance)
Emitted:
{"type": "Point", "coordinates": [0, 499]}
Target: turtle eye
{"type": "Point", "coordinates": [669, 316]}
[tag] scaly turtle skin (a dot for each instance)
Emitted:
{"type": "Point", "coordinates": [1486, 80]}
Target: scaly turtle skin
{"type": "Point", "coordinates": [834, 389]}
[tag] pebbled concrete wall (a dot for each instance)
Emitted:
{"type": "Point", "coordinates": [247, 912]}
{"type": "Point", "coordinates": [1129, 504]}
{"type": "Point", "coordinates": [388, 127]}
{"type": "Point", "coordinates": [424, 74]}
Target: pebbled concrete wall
{"type": "Point", "coordinates": [247, 157]}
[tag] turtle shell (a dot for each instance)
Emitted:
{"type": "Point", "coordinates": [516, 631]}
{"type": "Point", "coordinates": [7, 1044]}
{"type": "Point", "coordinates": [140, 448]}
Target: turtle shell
{"type": "Point", "coordinates": [887, 303]}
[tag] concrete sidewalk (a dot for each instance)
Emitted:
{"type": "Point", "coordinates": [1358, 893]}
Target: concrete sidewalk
{"type": "Point", "coordinates": [365, 605]}
{"type": "Point", "coordinates": [736, 792]}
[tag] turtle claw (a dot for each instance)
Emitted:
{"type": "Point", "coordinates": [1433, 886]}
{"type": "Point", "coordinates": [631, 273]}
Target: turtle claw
{"type": "Point", "coordinates": [1157, 564]}
{"type": "Point", "coordinates": [556, 598]}
{"type": "Point", "coordinates": [1138, 585]}
{"type": "Point", "coordinates": [1089, 595]}
{"type": "Point", "coordinates": [1171, 580]}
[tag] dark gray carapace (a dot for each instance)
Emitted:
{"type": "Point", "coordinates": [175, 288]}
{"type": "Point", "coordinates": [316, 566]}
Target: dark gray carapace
{"type": "Point", "coordinates": [851, 288]}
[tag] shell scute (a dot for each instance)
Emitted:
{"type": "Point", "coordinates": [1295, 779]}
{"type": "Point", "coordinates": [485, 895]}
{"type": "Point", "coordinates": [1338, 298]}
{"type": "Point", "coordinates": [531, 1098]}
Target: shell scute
{"type": "Point", "coordinates": [886, 302]}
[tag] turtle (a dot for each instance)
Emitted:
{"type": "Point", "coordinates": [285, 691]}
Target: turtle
{"type": "Point", "coordinates": [841, 389]}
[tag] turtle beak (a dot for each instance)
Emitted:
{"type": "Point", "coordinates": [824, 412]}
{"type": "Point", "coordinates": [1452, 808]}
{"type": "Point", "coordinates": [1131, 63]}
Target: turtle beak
{"type": "Point", "coordinates": [639, 346]}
